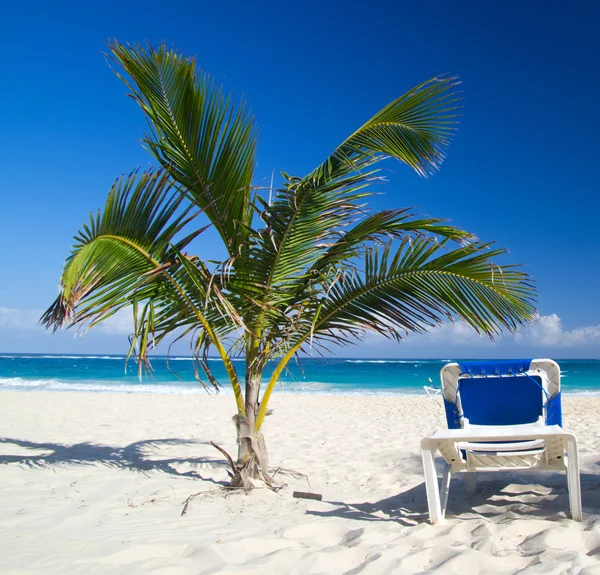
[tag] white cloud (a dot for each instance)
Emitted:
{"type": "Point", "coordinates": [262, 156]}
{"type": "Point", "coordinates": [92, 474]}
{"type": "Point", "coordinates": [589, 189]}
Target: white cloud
{"type": "Point", "coordinates": [121, 323]}
{"type": "Point", "coordinates": [458, 333]}
{"type": "Point", "coordinates": [546, 332]}
{"type": "Point", "coordinates": [549, 331]}
{"type": "Point", "coordinates": [19, 319]}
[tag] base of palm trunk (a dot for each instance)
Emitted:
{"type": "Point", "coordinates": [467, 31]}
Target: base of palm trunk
{"type": "Point", "coordinates": [252, 466]}
{"type": "Point", "coordinates": [249, 475]}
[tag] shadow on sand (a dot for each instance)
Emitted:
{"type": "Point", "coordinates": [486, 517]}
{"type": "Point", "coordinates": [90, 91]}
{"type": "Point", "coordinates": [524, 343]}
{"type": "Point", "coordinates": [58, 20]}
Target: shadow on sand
{"type": "Point", "coordinates": [136, 456]}
{"type": "Point", "coordinates": [499, 499]}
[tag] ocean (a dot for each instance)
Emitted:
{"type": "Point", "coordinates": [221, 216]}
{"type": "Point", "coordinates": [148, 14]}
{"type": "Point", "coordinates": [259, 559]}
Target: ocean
{"type": "Point", "coordinates": [109, 373]}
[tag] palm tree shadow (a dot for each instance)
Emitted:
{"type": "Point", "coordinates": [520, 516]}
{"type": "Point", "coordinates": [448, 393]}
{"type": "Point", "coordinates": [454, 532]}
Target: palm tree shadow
{"type": "Point", "coordinates": [498, 496]}
{"type": "Point", "coordinates": [134, 457]}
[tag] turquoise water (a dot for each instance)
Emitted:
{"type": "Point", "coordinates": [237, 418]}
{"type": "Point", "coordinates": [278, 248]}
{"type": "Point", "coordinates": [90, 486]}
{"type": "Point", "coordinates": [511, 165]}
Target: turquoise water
{"type": "Point", "coordinates": [332, 375]}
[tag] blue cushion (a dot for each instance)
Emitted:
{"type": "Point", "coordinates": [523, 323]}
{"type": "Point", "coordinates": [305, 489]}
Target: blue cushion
{"type": "Point", "coordinates": [501, 400]}
{"type": "Point", "coordinates": [504, 400]}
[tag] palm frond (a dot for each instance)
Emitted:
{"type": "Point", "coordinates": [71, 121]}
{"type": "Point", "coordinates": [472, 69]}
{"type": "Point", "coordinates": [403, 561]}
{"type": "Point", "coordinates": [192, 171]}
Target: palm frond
{"type": "Point", "coordinates": [379, 228]}
{"type": "Point", "coordinates": [416, 129]}
{"type": "Point", "coordinates": [205, 142]}
{"type": "Point", "coordinates": [420, 285]}
{"type": "Point", "coordinates": [115, 254]}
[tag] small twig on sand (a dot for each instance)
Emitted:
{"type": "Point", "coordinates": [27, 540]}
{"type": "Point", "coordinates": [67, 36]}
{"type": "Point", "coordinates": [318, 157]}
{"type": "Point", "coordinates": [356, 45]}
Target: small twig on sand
{"type": "Point", "coordinates": [293, 473]}
{"type": "Point", "coordinates": [186, 503]}
{"type": "Point", "coordinates": [221, 489]}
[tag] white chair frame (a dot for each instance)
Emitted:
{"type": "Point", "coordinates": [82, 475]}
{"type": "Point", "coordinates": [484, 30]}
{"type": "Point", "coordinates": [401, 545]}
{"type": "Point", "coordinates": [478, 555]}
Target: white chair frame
{"type": "Point", "coordinates": [454, 440]}
{"type": "Point", "coordinates": [540, 447]}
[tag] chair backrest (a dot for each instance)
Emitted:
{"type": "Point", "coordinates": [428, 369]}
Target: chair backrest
{"type": "Point", "coordinates": [502, 392]}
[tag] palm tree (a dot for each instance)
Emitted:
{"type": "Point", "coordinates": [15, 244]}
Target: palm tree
{"type": "Point", "coordinates": [307, 264]}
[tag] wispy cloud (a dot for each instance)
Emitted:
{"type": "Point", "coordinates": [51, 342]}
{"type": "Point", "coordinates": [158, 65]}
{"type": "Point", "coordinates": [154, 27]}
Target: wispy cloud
{"type": "Point", "coordinates": [458, 333]}
{"type": "Point", "coordinates": [548, 331]}
{"type": "Point", "coordinates": [19, 319]}
{"type": "Point", "coordinates": [121, 323]}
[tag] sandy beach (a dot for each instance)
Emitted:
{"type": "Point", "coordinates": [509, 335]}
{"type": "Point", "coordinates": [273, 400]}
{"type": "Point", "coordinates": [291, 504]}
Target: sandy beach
{"type": "Point", "coordinates": [95, 483]}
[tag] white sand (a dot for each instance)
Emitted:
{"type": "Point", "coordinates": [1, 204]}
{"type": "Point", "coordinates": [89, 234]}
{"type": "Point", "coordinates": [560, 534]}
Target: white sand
{"type": "Point", "coordinates": [107, 474]}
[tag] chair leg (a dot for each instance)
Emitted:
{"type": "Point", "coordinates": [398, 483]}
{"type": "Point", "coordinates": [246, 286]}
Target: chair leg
{"type": "Point", "coordinates": [431, 483]}
{"type": "Point", "coordinates": [470, 482]}
{"type": "Point", "coordinates": [445, 488]}
{"type": "Point", "coordinates": [573, 482]}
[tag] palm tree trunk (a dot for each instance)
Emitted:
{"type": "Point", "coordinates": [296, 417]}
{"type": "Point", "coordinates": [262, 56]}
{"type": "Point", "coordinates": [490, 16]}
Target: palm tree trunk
{"type": "Point", "coordinates": [252, 462]}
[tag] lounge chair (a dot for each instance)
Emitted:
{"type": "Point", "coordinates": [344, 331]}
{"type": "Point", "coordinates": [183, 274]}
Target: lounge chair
{"type": "Point", "coordinates": [502, 415]}
{"type": "Point", "coordinates": [431, 390]}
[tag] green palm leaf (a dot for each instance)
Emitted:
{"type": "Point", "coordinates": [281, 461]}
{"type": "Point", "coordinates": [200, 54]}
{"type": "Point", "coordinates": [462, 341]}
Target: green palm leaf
{"type": "Point", "coordinates": [205, 142]}
{"type": "Point", "coordinates": [415, 128]}
{"type": "Point", "coordinates": [424, 284]}
{"type": "Point", "coordinates": [380, 227]}
{"type": "Point", "coordinates": [114, 253]}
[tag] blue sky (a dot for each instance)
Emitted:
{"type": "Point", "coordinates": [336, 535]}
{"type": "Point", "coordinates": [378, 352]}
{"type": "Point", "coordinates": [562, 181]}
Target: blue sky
{"type": "Point", "coordinates": [522, 169]}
